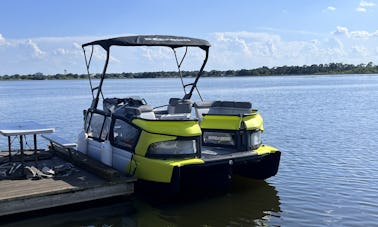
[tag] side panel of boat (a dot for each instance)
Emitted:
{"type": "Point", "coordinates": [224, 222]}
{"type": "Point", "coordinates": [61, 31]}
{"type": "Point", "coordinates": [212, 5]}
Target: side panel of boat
{"type": "Point", "coordinates": [264, 166]}
{"type": "Point", "coordinates": [121, 160]}
{"type": "Point", "coordinates": [228, 122]}
{"type": "Point", "coordinates": [254, 122]}
{"type": "Point", "coordinates": [82, 142]}
{"type": "Point", "coordinates": [158, 170]}
{"type": "Point", "coordinates": [94, 149]}
{"type": "Point", "coordinates": [221, 122]}
{"type": "Point", "coordinates": [146, 139]}
{"type": "Point", "coordinates": [177, 128]}
{"type": "Point", "coordinates": [266, 149]}
{"type": "Point", "coordinates": [207, 177]}
{"type": "Point", "coordinates": [202, 177]}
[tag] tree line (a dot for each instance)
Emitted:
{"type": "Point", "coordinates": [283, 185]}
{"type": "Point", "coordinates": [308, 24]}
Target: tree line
{"type": "Point", "coordinates": [315, 69]}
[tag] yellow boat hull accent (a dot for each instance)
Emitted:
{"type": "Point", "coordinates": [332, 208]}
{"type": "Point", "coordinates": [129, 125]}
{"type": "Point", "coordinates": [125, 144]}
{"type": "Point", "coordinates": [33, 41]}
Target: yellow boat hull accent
{"type": "Point", "coordinates": [158, 170]}
{"type": "Point", "coordinates": [177, 128]}
{"type": "Point", "coordinates": [226, 122]}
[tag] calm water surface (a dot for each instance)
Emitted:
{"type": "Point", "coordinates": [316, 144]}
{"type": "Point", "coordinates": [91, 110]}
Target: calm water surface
{"type": "Point", "coordinates": [325, 126]}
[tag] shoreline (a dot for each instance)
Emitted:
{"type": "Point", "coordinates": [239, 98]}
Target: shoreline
{"type": "Point", "coordinates": [117, 76]}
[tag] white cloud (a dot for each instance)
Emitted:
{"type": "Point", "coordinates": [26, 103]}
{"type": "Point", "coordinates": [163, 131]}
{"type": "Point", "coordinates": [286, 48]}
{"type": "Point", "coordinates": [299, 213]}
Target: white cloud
{"type": "Point", "coordinates": [341, 31]}
{"type": "Point", "coordinates": [221, 37]}
{"type": "Point", "coordinates": [342, 45]}
{"type": "Point", "coordinates": [238, 48]}
{"type": "Point", "coordinates": [361, 34]}
{"type": "Point", "coordinates": [249, 41]}
{"type": "Point", "coordinates": [354, 34]}
{"type": "Point", "coordinates": [245, 47]}
{"type": "Point", "coordinates": [76, 45]}
{"type": "Point", "coordinates": [366, 4]}
{"type": "Point", "coordinates": [360, 50]}
{"type": "Point", "coordinates": [230, 50]}
{"type": "Point", "coordinates": [2, 39]}
{"type": "Point", "coordinates": [36, 50]}
{"type": "Point", "coordinates": [61, 51]}
{"type": "Point", "coordinates": [47, 55]}
{"type": "Point", "coordinates": [331, 8]}
{"type": "Point", "coordinates": [362, 7]}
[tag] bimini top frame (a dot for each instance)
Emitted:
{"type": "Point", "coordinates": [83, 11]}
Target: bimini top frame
{"type": "Point", "coordinates": [148, 40]}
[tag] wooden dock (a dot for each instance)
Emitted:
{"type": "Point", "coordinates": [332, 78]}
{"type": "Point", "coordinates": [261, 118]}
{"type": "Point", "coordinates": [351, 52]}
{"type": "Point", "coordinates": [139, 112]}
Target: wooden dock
{"type": "Point", "coordinates": [89, 180]}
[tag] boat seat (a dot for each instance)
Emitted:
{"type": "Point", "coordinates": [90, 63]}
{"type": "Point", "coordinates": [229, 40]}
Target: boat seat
{"type": "Point", "coordinates": [143, 111]}
{"type": "Point", "coordinates": [222, 108]}
{"type": "Point", "coordinates": [179, 106]}
{"type": "Point", "coordinates": [111, 104]}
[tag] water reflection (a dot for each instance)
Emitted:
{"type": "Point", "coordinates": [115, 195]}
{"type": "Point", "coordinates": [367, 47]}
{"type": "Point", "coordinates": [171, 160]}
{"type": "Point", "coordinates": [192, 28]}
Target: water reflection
{"type": "Point", "coordinates": [325, 126]}
{"type": "Point", "coordinates": [249, 203]}
{"type": "Point", "coordinates": [110, 213]}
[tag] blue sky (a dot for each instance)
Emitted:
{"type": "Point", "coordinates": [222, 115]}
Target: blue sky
{"type": "Point", "coordinates": [45, 36]}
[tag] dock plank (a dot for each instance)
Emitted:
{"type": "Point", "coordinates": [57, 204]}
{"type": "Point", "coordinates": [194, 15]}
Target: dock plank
{"type": "Point", "coordinates": [17, 196]}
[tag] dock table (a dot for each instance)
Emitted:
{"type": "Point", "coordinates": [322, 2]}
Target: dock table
{"type": "Point", "coordinates": [21, 129]}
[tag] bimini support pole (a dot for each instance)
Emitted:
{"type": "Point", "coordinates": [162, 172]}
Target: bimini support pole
{"type": "Point", "coordinates": [99, 88]}
{"type": "Point", "coordinates": [194, 84]}
{"type": "Point", "coordinates": [87, 65]}
{"type": "Point", "coordinates": [179, 66]}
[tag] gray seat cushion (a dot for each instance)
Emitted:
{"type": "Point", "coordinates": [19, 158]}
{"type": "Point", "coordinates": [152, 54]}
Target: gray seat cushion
{"type": "Point", "coordinates": [222, 108]}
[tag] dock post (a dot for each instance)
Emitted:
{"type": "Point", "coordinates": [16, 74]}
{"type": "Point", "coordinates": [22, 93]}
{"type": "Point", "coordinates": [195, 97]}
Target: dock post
{"type": "Point", "coordinates": [35, 149]}
{"type": "Point", "coordinates": [10, 149]}
{"type": "Point", "coordinates": [22, 149]}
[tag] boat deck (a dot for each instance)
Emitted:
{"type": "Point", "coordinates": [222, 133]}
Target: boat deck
{"type": "Point", "coordinates": [73, 185]}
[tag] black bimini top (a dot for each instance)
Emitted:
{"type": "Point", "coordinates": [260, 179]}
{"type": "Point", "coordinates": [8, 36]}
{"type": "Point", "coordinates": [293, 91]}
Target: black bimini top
{"type": "Point", "coordinates": [151, 40]}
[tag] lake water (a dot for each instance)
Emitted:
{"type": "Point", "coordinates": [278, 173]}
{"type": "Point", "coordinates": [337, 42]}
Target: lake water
{"type": "Point", "coordinates": [325, 126]}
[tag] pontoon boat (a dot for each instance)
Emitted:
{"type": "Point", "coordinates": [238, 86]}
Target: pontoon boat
{"type": "Point", "coordinates": [184, 146]}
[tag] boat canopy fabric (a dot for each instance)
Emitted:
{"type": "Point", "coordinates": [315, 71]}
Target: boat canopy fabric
{"type": "Point", "coordinates": [151, 40]}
